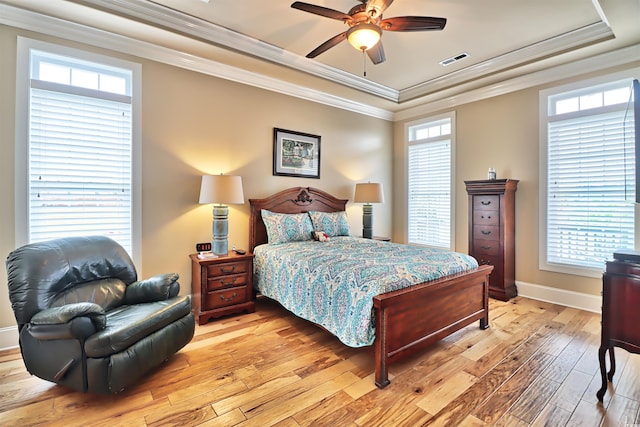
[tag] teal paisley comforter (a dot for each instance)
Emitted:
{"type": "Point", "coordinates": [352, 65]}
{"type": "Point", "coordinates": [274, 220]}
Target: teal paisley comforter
{"type": "Point", "coordinates": [333, 283]}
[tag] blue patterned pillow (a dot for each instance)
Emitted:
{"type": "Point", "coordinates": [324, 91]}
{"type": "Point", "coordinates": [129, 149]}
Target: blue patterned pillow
{"type": "Point", "coordinates": [332, 223]}
{"type": "Point", "coordinates": [283, 228]}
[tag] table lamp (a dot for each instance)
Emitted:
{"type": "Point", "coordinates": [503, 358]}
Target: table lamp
{"type": "Point", "coordinates": [368, 193]}
{"type": "Point", "coordinates": [221, 190]}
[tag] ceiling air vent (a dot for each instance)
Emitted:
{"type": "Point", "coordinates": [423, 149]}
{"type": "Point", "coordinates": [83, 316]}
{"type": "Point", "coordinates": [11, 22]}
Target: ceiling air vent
{"type": "Point", "coordinates": [453, 59]}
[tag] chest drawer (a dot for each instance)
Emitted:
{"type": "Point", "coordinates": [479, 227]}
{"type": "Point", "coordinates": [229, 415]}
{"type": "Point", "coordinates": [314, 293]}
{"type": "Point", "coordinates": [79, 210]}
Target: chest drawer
{"type": "Point", "coordinates": [486, 232]}
{"type": "Point", "coordinates": [235, 267]}
{"type": "Point", "coordinates": [486, 247]}
{"type": "Point", "coordinates": [486, 217]}
{"type": "Point", "coordinates": [488, 202]}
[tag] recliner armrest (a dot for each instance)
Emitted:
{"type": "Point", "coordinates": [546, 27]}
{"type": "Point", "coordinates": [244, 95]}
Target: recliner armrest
{"type": "Point", "coordinates": [156, 288]}
{"type": "Point", "coordinates": [77, 320]}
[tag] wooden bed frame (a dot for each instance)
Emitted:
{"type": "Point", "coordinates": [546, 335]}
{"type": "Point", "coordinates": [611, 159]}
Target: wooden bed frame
{"type": "Point", "coordinates": [409, 319]}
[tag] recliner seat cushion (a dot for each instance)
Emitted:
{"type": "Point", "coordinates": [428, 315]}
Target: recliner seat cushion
{"type": "Point", "coordinates": [130, 323]}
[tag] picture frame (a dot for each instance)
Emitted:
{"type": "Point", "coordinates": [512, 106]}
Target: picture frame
{"type": "Point", "coordinates": [296, 154]}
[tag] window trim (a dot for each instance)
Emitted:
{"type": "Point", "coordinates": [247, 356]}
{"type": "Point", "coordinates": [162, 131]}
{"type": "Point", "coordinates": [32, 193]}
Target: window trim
{"type": "Point", "coordinates": [451, 115]}
{"type": "Point", "coordinates": [544, 96]}
{"type": "Point", "coordinates": [24, 46]}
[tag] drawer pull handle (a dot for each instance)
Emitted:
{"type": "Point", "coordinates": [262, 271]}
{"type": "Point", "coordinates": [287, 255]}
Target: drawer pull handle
{"type": "Point", "coordinates": [488, 217]}
{"type": "Point", "coordinates": [229, 282]}
{"type": "Point", "coordinates": [485, 247]}
{"type": "Point", "coordinates": [485, 262]}
{"type": "Point", "coordinates": [485, 232]}
{"type": "Point", "coordinates": [223, 298]}
{"type": "Point", "coordinates": [228, 270]}
{"type": "Point", "coordinates": [486, 202]}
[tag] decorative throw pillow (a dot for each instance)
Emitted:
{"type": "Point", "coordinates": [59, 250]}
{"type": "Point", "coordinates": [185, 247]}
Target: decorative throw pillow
{"type": "Point", "coordinates": [332, 223]}
{"type": "Point", "coordinates": [283, 228]}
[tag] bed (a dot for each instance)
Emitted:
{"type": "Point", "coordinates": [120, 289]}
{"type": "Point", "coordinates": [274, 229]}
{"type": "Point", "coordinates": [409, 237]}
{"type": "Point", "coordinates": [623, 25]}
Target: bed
{"type": "Point", "coordinates": [407, 319]}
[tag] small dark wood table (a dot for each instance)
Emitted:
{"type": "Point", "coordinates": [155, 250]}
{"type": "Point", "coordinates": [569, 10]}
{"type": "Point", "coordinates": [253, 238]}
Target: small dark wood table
{"type": "Point", "coordinates": [620, 311]}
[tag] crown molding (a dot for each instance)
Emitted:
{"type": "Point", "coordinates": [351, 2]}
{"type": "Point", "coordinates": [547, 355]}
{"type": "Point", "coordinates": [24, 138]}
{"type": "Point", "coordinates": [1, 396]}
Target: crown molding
{"type": "Point", "coordinates": [458, 96]}
{"type": "Point", "coordinates": [184, 24]}
{"type": "Point", "coordinates": [39, 23]}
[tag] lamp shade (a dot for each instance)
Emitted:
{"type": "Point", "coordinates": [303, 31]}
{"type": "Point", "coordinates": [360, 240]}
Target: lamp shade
{"type": "Point", "coordinates": [369, 193]}
{"type": "Point", "coordinates": [364, 36]}
{"type": "Point", "coordinates": [221, 189]}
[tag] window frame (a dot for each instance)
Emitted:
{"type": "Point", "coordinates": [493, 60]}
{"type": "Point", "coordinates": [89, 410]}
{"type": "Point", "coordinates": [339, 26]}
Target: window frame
{"type": "Point", "coordinates": [23, 59]}
{"type": "Point", "coordinates": [544, 97]}
{"type": "Point", "coordinates": [451, 116]}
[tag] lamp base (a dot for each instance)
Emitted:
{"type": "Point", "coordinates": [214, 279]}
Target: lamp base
{"type": "Point", "coordinates": [367, 221]}
{"type": "Point", "coordinates": [220, 230]}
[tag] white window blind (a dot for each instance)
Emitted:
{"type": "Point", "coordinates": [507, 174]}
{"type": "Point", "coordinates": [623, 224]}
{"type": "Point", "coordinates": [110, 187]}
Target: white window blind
{"type": "Point", "coordinates": [80, 150]}
{"type": "Point", "coordinates": [429, 184]}
{"type": "Point", "coordinates": [590, 177]}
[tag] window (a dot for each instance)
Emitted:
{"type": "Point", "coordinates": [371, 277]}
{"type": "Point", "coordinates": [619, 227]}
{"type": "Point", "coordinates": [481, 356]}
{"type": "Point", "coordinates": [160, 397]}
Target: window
{"type": "Point", "coordinates": [587, 177]}
{"type": "Point", "coordinates": [78, 145]}
{"type": "Point", "coordinates": [430, 182]}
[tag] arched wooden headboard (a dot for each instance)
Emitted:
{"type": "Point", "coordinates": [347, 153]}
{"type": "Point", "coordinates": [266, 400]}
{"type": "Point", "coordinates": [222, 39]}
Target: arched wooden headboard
{"type": "Point", "coordinates": [290, 201]}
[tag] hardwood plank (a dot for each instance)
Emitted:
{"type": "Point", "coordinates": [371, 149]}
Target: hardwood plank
{"type": "Point", "coordinates": [534, 399]}
{"type": "Point", "coordinates": [231, 418]}
{"type": "Point", "coordinates": [570, 392]}
{"type": "Point", "coordinates": [552, 416]}
{"type": "Point", "coordinates": [446, 392]}
{"type": "Point", "coordinates": [505, 395]}
{"type": "Point", "coordinates": [585, 415]}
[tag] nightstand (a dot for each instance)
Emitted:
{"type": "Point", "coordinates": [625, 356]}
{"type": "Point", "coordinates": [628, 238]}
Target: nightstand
{"type": "Point", "coordinates": [221, 286]}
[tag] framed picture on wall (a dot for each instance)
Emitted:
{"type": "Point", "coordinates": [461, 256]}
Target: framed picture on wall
{"type": "Point", "coordinates": [296, 154]}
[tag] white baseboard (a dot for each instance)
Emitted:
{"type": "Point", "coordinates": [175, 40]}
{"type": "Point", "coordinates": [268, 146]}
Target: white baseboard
{"type": "Point", "coordinates": [573, 299]}
{"type": "Point", "coordinates": [8, 338]}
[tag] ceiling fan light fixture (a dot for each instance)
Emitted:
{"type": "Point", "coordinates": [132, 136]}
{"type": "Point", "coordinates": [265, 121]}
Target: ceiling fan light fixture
{"type": "Point", "coordinates": [364, 36]}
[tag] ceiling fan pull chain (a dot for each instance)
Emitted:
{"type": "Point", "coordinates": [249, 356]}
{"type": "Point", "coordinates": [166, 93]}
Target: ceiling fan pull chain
{"type": "Point", "coordinates": [364, 63]}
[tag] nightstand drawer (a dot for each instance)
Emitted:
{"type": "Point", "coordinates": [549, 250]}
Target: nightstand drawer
{"type": "Point", "coordinates": [221, 282]}
{"type": "Point", "coordinates": [486, 232]}
{"type": "Point", "coordinates": [227, 268]}
{"type": "Point", "coordinates": [486, 203]}
{"type": "Point", "coordinates": [226, 297]}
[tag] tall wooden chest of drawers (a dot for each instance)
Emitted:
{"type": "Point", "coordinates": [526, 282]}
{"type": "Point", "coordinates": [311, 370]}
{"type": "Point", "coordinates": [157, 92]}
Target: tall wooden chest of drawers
{"type": "Point", "coordinates": [492, 232]}
{"type": "Point", "coordinates": [221, 286]}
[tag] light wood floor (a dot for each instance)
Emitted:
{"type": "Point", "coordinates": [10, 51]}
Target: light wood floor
{"type": "Point", "coordinates": [536, 365]}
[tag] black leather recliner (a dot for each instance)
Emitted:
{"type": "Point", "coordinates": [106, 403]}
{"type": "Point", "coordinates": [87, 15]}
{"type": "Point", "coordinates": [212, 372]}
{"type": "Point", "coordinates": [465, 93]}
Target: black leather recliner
{"type": "Point", "coordinates": [84, 319]}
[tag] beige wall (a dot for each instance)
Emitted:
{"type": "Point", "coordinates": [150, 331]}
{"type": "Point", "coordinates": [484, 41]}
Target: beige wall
{"type": "Point", "coordinates": [195, 124]}
{"type": "Point", "coordinates": [500, 132]}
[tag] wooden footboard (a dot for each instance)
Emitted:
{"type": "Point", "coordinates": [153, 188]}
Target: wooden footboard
{"type": "Point", "coordinates": [410, 319]}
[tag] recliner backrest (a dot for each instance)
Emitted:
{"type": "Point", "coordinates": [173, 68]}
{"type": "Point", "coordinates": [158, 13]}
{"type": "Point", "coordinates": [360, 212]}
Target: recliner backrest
{"type": "Point", "coordinates": [47, 273]}
{"type": "Point", "coordinates": [107, 293]}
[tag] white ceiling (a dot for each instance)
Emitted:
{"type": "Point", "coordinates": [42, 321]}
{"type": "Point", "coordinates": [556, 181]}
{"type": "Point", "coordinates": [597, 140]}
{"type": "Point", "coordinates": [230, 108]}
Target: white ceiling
{"type": "Point", "coordinates": [504, 39]}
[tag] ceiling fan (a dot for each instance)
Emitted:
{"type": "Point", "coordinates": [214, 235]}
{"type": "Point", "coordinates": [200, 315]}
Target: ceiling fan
{"type": "Point", "coordinates": [366, 26]}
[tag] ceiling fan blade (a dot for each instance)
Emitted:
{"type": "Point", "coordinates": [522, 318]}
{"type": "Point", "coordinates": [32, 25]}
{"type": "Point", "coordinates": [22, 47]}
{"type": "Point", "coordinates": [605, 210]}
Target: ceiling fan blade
{"type": "Point", "coordinates": [322, 11]}
{"type": "Point", "coordinates": [327, 45]}
{"type": "Point", "coordinates": [413, 23]}
{"type": "Point", "coordinates": [377, 7]}
{"type": "Point", "coordinates": [376, 53]}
